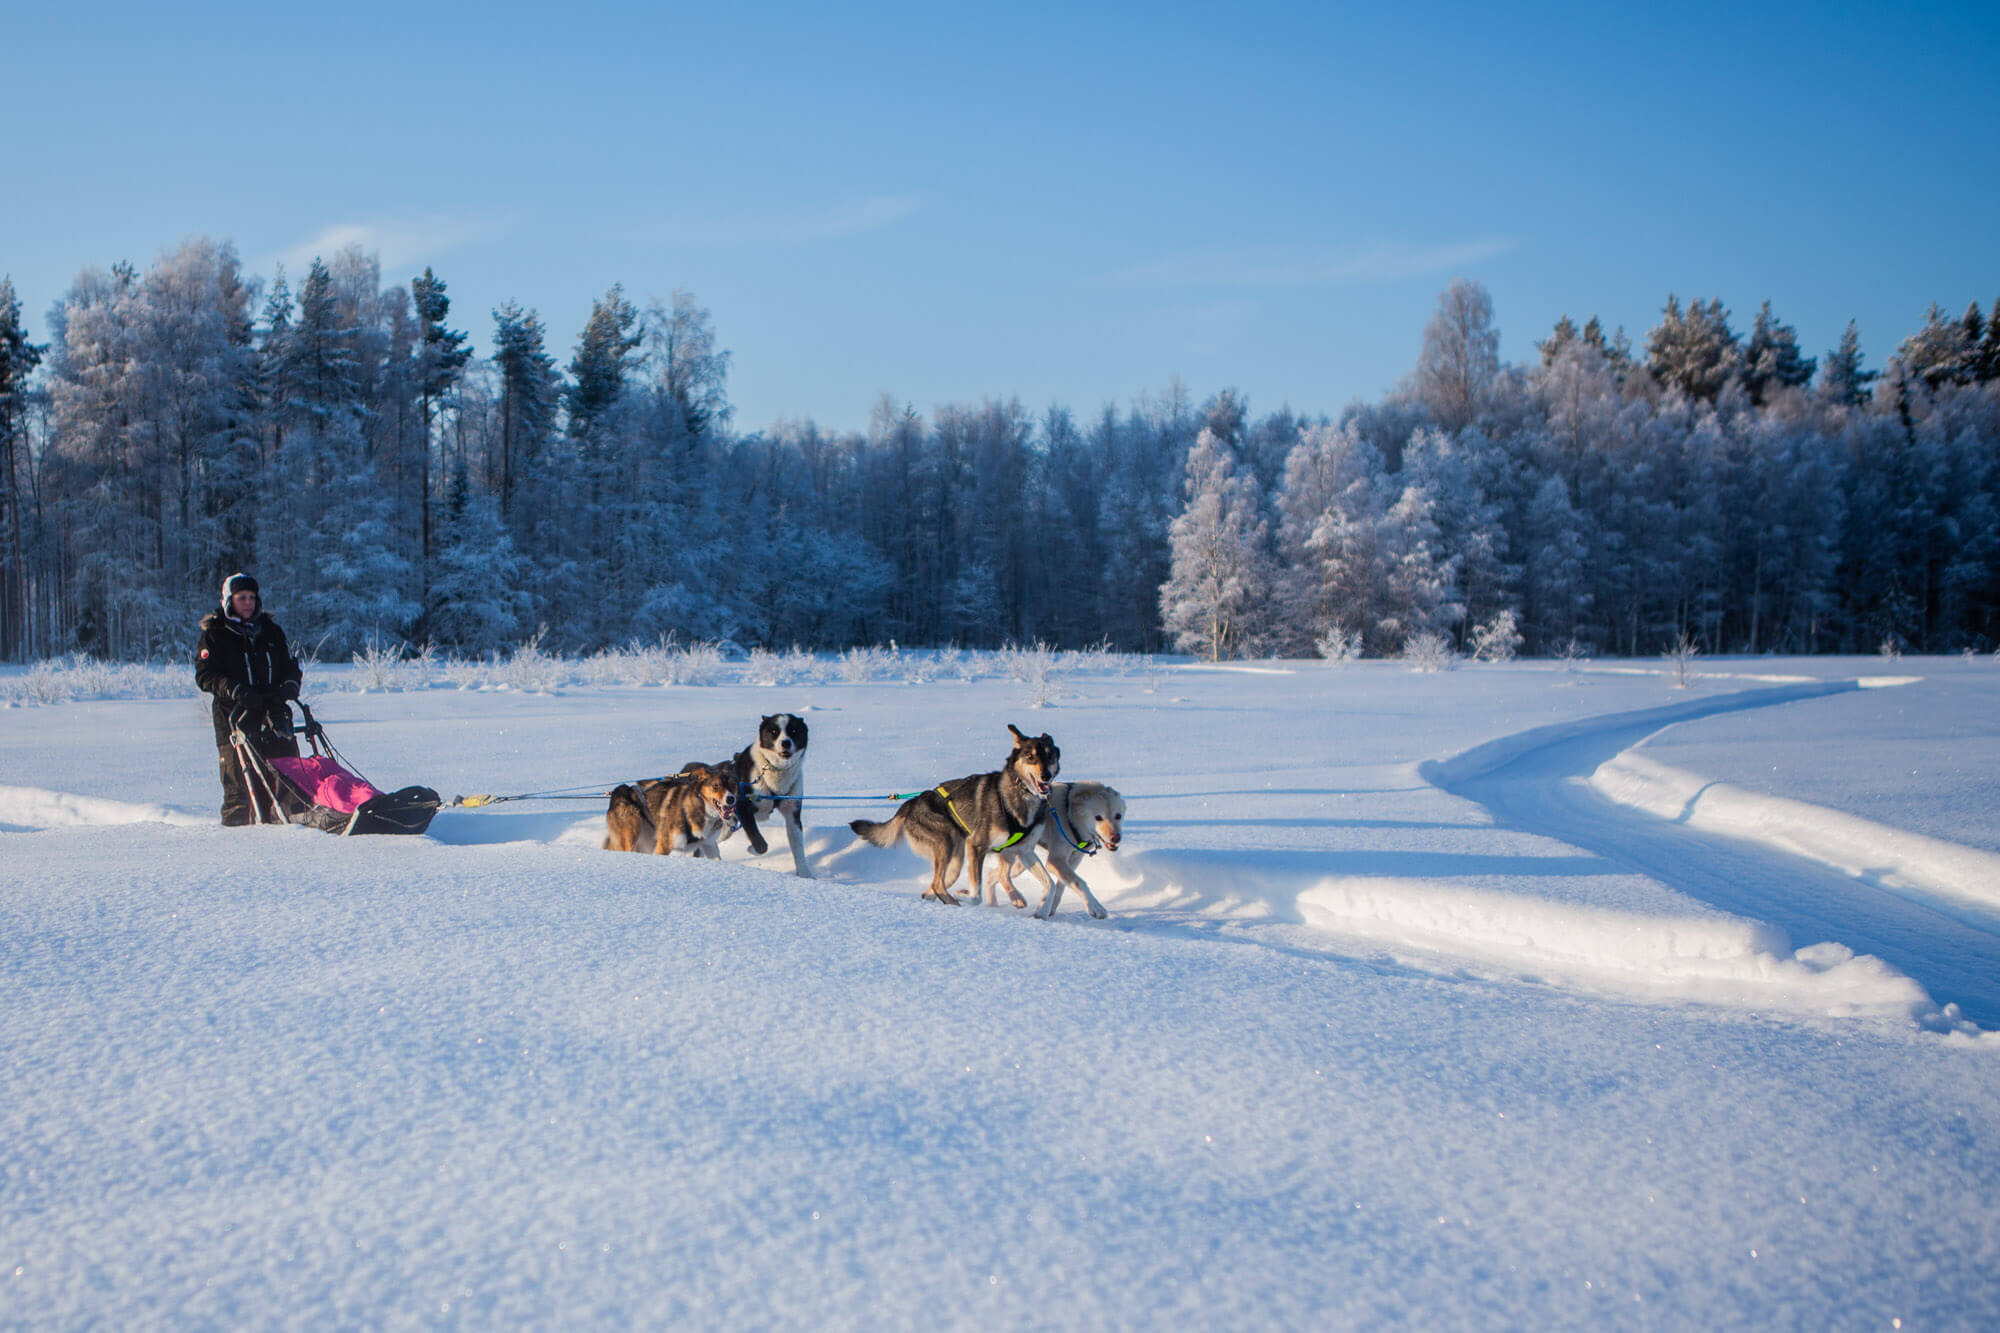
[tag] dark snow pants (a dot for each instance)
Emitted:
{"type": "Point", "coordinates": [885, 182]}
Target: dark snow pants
{"type": "Point", "coordinates": [236, 807]}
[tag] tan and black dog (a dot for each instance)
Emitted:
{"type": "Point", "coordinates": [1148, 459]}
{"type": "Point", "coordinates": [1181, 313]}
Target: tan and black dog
{"type": "Point", "coordinates": [685, 812]}
{"type": "Point", "coordinates": [969, 817]}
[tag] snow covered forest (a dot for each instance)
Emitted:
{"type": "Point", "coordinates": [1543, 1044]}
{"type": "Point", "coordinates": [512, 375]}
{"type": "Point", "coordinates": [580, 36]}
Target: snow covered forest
{"type": "Point", "coordinates": [339, 438]}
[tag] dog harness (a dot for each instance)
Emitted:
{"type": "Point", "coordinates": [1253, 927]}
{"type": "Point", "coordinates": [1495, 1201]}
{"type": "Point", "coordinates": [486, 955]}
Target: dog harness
{"type": "Point", "coordinates": [960, 821]}
{"type": "Point", "coordinates": [1087, 848]}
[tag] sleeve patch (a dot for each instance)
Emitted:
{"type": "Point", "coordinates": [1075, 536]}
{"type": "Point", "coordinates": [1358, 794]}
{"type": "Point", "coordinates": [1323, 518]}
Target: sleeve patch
{"type": "Point", "coordinates": [204, 654]}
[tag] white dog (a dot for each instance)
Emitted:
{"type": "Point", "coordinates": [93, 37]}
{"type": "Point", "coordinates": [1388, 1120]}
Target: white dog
{"type": "Point", "coordinates": [1082, 817]}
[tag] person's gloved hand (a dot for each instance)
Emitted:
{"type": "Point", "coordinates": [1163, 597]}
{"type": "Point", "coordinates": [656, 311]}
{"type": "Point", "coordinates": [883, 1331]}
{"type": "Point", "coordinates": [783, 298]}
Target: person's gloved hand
{"type": "Point", "coordinates": [289, 689]}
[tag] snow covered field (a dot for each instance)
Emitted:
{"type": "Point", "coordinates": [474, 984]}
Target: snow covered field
{"type": "Point", "coordinates": [1395, 1017]}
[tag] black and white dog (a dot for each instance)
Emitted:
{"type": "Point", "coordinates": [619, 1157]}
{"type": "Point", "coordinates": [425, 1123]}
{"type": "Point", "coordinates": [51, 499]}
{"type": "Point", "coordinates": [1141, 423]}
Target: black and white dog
{"type": "Point", "coordinates": [774, 768]}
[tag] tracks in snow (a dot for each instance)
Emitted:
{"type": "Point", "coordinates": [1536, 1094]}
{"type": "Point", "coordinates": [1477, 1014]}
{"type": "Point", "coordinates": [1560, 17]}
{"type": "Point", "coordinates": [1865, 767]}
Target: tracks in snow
{"type": "Point", "coordinates": [1537, 783]}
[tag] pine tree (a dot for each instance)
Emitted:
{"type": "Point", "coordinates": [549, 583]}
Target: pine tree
{"type": "Point", "coordinates": [319, 357]}
{"type": "Point", "coordinates": [18, 359]}
{"type": "Point", "coordinates": [1937, 353]}
{"type": "Point", "coordinates": [529, 393]}
{"type": "Point", "coordinates": [1844, 381]}
{"type": "Point", "coordinates": [1215, 594]}
{"type": "Point", "coordinates": [441, 358]}
{"type": "Point", "coordinates": [477, 599]}
{"type": "Point", "coordinates": [1772, 359]}
{"type": "Point", "coordinates": [1564, 334]}
{"type": "Point", "coordinates": [1694, 352]}
{"type": "Point", "coordinates": [1989, 349]}
{"type": "Point", "coordinates": [603, 356]}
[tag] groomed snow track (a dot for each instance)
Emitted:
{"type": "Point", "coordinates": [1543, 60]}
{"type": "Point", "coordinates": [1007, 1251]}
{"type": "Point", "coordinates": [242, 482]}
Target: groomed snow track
{"type": "Point", "coordinates": [1538, 782]}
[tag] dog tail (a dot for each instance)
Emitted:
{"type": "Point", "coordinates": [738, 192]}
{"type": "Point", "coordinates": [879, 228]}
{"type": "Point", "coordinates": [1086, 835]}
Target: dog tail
{"type": "Point", "coordinates": [886, 834]}
{"type": "Point", "coordinates": [624, 815]}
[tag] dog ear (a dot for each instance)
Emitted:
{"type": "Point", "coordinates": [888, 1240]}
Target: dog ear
{"type": "Point", "coordinates": [1020, 737]}
{"type": "Point", "coordinates": [769, 717]}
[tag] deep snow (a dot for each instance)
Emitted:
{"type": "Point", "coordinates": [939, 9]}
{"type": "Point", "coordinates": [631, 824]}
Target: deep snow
{"type": "Point", "coordinates": [1347, 1049]}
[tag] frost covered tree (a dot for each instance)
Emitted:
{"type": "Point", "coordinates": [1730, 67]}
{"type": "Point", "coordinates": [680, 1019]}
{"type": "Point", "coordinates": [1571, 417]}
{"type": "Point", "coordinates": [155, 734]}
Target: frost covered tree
{"type": "Point", "coordinates": [1772, 360]}
{"type": "Point", "coordinates": [1694, 351]}
{"type": "Point", "coordinates": [1556, 582]}
{"type": "Point", "coordinates": [529, 395]}
{"type": "Point", "coordinates": [691, 371]}
{"type": "Point", "coordinates": [603, 358]}
{"type": "Point", "coordinates": [1937, 353]}
{"type": "Point", "coordinates": [441, 356]}
{"type": "Point", "coordinates": [1328, 539]}
{"type": "Point", "coordinates": [1214, 601]}
{"type": "Point", "coordinates": [1843, 381]}
{"type": "Point", "coordinates": [1461, 355]}
{"type": "Point", "coordinates": [1420, 578]}
{"type": "Point", "coordinates": [320, 364]}
{"type": "Point", "coordinates": [478, 601]}
{"type": "Point", "coordinates": [18, 359]}
{"type": "Point", "coordinates": [1470, 525]}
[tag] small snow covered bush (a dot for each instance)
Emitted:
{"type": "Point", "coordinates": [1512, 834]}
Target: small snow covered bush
{"type": "Point", "coordinates": [1339, 646]}
{"type": "Point", "coordinates": [697, 664]}
{"type": "Point", "coordinates": [1681, 657]}
{"type": "Point", "coordinates": [801, 667]}
{"type": "Point", "coordinates": [1039, 668]}
{"type": "Point", "coordinates": [464, 673]}
{"type": "Point", "coordinates": [532, 670]}
{"type": "Point", "coordinates": [952, 662]}
{"type": "Point", "coordinates": [763, 667]}
{"type": "Point", "coordinates": [380, 667]}
{"type": "Point", "coordinates": [1497, 640]}
{"type": "Point", "coordinates": [1572, 656]}
{"type": "Point", "coordinates": [1891, 648]}
{"type": "Point", "coordinates": [858, 666]}
{"type": "Point", "coordinates": [1429, 652]}
{"type": "Point", "coordinates": [78, 678]}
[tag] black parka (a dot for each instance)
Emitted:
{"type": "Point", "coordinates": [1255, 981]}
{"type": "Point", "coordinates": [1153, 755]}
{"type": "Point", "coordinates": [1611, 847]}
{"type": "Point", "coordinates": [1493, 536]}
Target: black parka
{"type": "Point", "coordinates": [237, 660]}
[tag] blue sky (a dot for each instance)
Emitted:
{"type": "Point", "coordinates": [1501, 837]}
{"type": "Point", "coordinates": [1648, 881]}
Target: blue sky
{"type": "Point", "coordinates": [1065, 203]}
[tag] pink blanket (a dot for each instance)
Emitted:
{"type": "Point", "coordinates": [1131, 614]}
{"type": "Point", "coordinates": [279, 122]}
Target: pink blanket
{"type": "Point", "coordinates": [327, 783]}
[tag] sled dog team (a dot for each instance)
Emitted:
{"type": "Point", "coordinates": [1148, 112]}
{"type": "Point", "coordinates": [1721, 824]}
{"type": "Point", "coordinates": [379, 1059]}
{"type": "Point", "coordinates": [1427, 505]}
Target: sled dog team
{"type": "Point", "coordinates": [1011, 812]}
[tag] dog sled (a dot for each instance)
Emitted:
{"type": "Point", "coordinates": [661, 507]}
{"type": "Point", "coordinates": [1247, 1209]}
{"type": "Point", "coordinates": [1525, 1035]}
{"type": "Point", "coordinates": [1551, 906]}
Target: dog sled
{"type": "Point", "coordinates": [318, 789]}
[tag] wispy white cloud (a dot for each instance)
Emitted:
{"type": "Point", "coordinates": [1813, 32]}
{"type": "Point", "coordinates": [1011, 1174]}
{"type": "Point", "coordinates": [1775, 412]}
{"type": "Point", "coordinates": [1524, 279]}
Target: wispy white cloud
{"type": "Point", "coordinates": [787, 226]}
{"type": "Point", "coordinates": [1388, 262]}
{"type": "Point", "coordinates": [399, 242]}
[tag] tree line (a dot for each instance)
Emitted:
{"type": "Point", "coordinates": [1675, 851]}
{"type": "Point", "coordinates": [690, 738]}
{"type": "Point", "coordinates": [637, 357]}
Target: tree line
{"type": "Point", "coordinates": [340, 440]}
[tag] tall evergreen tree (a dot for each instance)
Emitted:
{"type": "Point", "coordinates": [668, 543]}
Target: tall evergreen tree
{"type": "Point", "coordinates": [1694, 351]}
{"type": "Point", "coordinates": [441, 358]}
{"type": "Point", "coordinates": [1844, 381]}
{"type": "Point", "coordinates": [529, 393]}
{"type": "Point", "coordinates": [18, 359]}
{"type": "Point", "coordinates": [319, 354]}
{"type": "Point", "coordinates": [1988, 363]}
{"type": "Point", "coordinates": [603, 358]}
{"type": "Point", "coordinates": [1772, 359]}
{"type": "Point", "coordinates": [1938, 353]}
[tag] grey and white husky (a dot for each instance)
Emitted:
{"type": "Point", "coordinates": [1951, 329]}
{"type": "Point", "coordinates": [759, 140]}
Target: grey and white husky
{"type": "Point", "coordinates": [966, 818]}
{"type": "Point", "coordinates": [1083, 818]}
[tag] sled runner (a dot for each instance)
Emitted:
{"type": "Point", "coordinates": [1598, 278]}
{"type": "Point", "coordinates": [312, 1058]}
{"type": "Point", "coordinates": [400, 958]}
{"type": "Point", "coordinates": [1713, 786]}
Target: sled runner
{"type": "Point", "coordinates": [317, 789]}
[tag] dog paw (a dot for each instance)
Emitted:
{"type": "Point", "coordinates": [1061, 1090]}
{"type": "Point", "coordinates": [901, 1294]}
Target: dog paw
{"type": "Point", "coordinates": [803, 873]}
{"type": "Point", "coordinates": [1018, 901]}
{"type": "Point", "coordinates": [1097, 910]}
